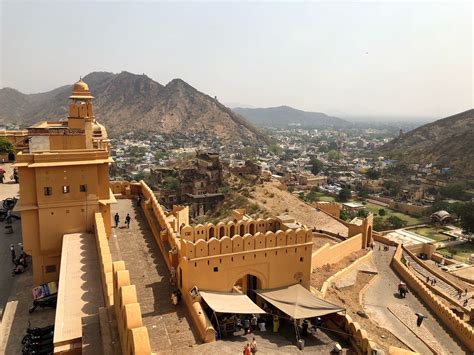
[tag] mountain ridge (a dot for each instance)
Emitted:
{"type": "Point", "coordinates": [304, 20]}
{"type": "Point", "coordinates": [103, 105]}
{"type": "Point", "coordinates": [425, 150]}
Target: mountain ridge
{"type": "Point", "coordinates": [446, 142]}
{"type": "Point", "coordinates": [127, 100]}
{"type": "Point", "coordinates": [285, 115]}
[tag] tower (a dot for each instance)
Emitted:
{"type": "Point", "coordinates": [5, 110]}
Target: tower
{"type": "Point", "coordinates": [81, 113]}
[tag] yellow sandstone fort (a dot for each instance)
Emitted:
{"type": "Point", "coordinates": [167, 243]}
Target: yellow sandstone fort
{"type": "Point", "coordinates": [65, 204]}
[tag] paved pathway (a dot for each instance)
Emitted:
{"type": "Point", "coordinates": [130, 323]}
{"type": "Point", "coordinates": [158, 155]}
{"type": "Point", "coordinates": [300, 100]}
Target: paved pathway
{"type": "Point", "coordinates": [440, 285]}
{"type": "Point", "coordinates": [170, 328]}
{"type": "Point", "coordinates": [7, 190]}
{"type": "Point", "coordinates": [383, 293]}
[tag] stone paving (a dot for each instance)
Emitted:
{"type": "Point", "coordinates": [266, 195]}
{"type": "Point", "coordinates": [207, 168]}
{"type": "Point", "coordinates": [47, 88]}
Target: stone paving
{"type": "Point", "coordinates": [21, 293]}
{"type": "Point", "coordinates": [170, 328]}
{"type": "Point", "coordinates": [440, 285]}
{"type": "Point", "coordinates": [383, 293]}
{"type": "Point", "coordinates": [404, 314]}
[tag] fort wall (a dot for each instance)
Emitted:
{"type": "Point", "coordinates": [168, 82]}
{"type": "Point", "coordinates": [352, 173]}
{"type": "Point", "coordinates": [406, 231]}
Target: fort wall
{"type": "Point", "coordinates": [331, 208]}
{"type": "Point", "coordinates": [331, 254]}
{"type": "Point", "coordinates": [460, 328]}
{"type": "Point", "coordinates": [121, 296]}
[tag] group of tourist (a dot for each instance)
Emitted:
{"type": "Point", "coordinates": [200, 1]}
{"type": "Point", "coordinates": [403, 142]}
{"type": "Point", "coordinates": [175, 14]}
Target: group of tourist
{"type": "Point", "coordinates": [117, 220]}
{"type": "Point", "coordinates": [250, 347]}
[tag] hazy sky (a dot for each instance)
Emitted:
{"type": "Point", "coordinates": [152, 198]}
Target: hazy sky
{"type": "Point", "coordinates": [346, 58]}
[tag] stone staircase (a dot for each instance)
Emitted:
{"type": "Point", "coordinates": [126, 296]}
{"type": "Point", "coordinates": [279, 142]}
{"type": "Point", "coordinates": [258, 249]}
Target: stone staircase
{"type": "Point", "coordinates": [445, 288]}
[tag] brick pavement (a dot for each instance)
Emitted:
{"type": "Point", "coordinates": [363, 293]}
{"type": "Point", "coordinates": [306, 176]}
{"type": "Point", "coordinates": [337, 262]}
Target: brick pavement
{"type": "Point", "coordinates": [170, 328]}
{"type": "Point", "coordinates": [406, 316]}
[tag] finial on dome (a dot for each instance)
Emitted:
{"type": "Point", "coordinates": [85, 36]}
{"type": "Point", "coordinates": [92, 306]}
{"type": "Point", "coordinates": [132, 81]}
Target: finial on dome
{"type": "Point", "coordinates": [81, 91]}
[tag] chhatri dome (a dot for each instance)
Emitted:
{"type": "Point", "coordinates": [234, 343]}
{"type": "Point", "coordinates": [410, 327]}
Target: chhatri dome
{"type": "Point", "coordinates": [81, 91]}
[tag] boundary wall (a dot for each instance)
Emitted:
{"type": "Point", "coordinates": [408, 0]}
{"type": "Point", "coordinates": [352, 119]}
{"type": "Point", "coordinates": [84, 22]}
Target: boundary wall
{"type": "Point", "coordinates": [343, 272]}
{"type": "Point", "coordinates": [461, 329]}
{"type": "Point", "coordinates": [331, 208]}
{"type": "Point", "coordinates": [331, 254]}
{"type": "Point", "coordinates": [357, 336]}
{"type": "Point", "coordinates": [121, 296]}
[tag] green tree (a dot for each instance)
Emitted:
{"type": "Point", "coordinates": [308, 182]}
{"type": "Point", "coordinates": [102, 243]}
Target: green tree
{"type": "Point", "coordinates": [6, 147]}
{"type": "Point", "coordinates": [396, 222]}
{"type": "Point", "coordinates": [316, 165]}
{"type": "Point", "coordinates": [455, 190]}
{"type": "Point", "coordinates": [382, 212]}
{"type": "Point", "coordinates": [392, 187]}
{"type": "Point", "coordinates": [275, 149]}
{"type": "Point", "coordinates": [301, 195]}
{"type": "Point", "coordinates": [362, 213]}
{"type": "Point", "coordinates": [379, 224]}
{"type": "Point", "coordinates": [171, 183]}
{"type": "Point", "coordinates": [334, 155]}
{"type": "Point", "coordinates": [344, 195]}
{"type": "Point", "coordinates": [344, 215]}
{"type": "Point", "coordinates": [466, 214]}
{"type": "Point", "coordinates": [323, 148]}
{"type": "Point", "coordinates": [373, 174]}
{"type": "Point", "coordinates": [312, 196]}
{"type": "Point", "coordinates": [362, 192]}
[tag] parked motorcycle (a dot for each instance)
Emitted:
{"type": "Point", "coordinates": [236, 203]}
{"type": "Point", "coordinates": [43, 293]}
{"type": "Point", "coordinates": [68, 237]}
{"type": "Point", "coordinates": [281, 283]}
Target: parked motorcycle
{"type": "Point", "coordinates": [39, 331]}
{"type": "Point", "coordinates": [37, 338]}
{"type": "Point", "coordinates": [48, 301]}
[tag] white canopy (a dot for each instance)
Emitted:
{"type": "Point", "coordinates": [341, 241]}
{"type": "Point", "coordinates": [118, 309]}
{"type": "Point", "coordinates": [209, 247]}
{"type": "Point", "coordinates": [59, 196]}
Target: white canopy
{"type": "Point", "coordinates": [227, 302]}
{"type": "Point", "coordinates": [298, 302]}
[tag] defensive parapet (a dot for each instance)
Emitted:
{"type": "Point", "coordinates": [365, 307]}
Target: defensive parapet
{"type": "Point", "coordinates": [121, 295]}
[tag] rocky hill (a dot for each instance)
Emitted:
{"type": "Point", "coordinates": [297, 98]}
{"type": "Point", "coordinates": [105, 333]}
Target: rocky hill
{"type": "Point", "coordinates": [447, 142]}
{"type": "Point", "coordinates": [285, 116]}
{"type": "Point", "coordinates": [127, 101]}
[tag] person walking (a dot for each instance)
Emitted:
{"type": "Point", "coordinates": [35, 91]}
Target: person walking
{"type": "Point", "coordinates": [116, 219]}
{"type": "Point", "coordinates": [247, 349]}
{"type": "Point", "coordinates": [254, 322]}
{"type": "Point", "coordinates": [419, 319]}
{"type": "Point", "coordinates": [253, 346]}
{"type": "Point", "coordinates": [13, 253]}
{"type": "Point", "coordinates": [127, 220]}
{"type": "Point", "coordinates": [246, 325]}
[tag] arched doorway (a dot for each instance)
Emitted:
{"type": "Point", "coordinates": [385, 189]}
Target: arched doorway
{"type": "Point", "coordinates": [248, 284]}
{"type": "Point", "coordinates": [11, 156]}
